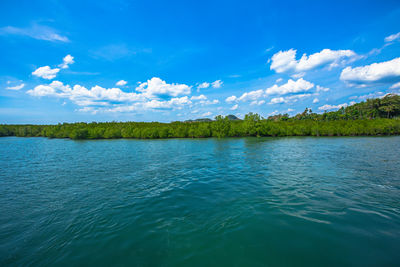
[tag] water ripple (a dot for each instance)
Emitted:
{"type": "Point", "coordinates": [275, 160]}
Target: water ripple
{"type": "Point", "coordinates": [242, 202]}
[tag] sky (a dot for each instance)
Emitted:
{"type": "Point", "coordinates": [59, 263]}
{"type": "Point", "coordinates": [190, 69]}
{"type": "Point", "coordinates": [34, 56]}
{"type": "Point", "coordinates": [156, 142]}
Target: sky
{"type": "Point", "coordinates": [70, 61]}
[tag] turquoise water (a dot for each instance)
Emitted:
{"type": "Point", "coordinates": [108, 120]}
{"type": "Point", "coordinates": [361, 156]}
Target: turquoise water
{"type": "Point", "coordinates": [229, 202]}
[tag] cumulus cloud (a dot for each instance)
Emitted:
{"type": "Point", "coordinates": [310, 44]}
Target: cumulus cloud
{"type": "Point", "coordinates": [235, 107]}
{"type": "Point", "coordinates": [277, 100]}
{"type": "Point", "coordinates": [316, 100]}
{"type": "Point", "coordinates": [252, 95]}
{"type": "Point", "coordinates": [231, 99]}
{"type": "Point", "coordinates": [392, 37]}
{"type": "Point", "coordinates": [257, 103]}
{"type": "Point", "coordinates": [35, 31]}
{"type": "Point", "coordinates": [83, 96]}
{"type": "Point", "coordinates": [208, 102]}
{"type": "Point", "coordinates": [46, 72]}
{"type": "Point", "coordinates": [156, 87]}
{"type": "Point", "coordinates": [288, 99]}
{"type": "Point", "coordinates": [67, 60]}
{"type": "Point", "coordinates": [285, 61]}
{"type": "Point", "coordinates": [291, 86]}
{"type": "Point", "coordinates": [386, 71]}
{"type": "Point", "coordinates": [16, 87]}
{"type": "Point", "coordinates": [217, 84]}
{"type": "Point", "coordinates": [203, 85]}
{"type": "Point", "coordinates": [177, 101]}
{"type": "Point", "coordinates": [330, 107]}
{"type": "Point", "coordinates": [121, 83]}
{"type": "Point", "coordinates": [206, 114]}
{"type": "Point", "coordinates": [102, 99]}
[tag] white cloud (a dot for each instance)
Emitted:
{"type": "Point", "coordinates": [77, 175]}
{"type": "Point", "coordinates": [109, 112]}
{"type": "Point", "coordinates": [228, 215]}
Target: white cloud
{"type": "Point", "coordinates": [46, 72]}
{"type": "Point", "coordinates": [121, 83]}
{"type": "Point", "coordinates": [67, 60]}
{"type": "Point", "coordinates": [200, 97]}
{"type": "Point", "coordinates": [288, 99]}
{"type": "Point", "coordinates": [231, 99]}
{"type": "Point", "coordinates": [16, 87]}
{"type": "Point", "coordinates": [279, 80]}
{"type": "Point", "coordinates": [157, 87]}
{"type": "Point", "coordinates": [257, 103]}
{"type": "Point", "coordinates": [217, 84]}
{"type": "Point", "coordinates": [235, 107]}
{"type": "Point", "coordinates": [285, 61]}
{"type": "Point", "coordinates": [208, 102]}
{"type": "Point", "coordinates": [206, 114]}
{"type": "Point", "coordinates": [330, 107]}
{"type": "Point", "coordinates": [114, 99]}
{"type": "Point", "coordinates": [83, 96]}
{"type": "Point", "coordinates": [392, 37]}
{"type": "Point", "coordinates": [316, 100]}
{"type": "Point", "coordinates": [291, 86]}
{"type": "Point", "coordinates": [395, 86]}
{"type": "Point", "coordinates": [35, 31]}
{"type": "Point", "coordinates": [252, 95]}
{"type": "Point", "coordinates": [42, 90]}
{"type": "Point", "coordinates": [294, 98]}
{"type": "Point", "coordinates": [203, 85]}
{"type": "Point", "coordinates": [376, 72]}
{"type": "Point", "coordinates": [277, 100]}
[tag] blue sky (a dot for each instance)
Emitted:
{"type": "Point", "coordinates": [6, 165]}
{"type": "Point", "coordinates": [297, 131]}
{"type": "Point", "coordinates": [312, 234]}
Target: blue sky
{"type": "Point", "coordinates": [68, 61]}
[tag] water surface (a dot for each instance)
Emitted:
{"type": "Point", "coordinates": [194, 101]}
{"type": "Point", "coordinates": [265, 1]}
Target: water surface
{"type": "Point", "coordinates": [203, 202]}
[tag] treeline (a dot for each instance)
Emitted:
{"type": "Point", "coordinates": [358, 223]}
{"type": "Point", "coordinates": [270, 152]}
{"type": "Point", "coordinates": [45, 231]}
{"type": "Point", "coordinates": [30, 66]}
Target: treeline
{"type": "Point", "coordinates": [373, 117]}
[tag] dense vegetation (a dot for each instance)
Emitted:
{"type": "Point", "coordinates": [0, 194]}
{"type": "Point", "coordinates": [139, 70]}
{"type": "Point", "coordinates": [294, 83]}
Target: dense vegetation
{"type": "Point", "coordinates": [379, 116]}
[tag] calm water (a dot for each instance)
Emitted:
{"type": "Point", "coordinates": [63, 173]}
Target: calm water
{"type": "Point", "coordinates": [239, 202]}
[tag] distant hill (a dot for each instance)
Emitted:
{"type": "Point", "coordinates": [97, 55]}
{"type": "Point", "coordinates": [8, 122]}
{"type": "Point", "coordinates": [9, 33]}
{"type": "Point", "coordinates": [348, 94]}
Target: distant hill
{"type": "Point", "coordinates": [200, 120]}
{"type": "Point", "coordinates": [233, 118]}
{"type": "Point", "coordinates": [230, 117]}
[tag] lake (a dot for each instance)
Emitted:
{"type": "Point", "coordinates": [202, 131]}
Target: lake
{"type": "Point", "coordinates": [200, 202]}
